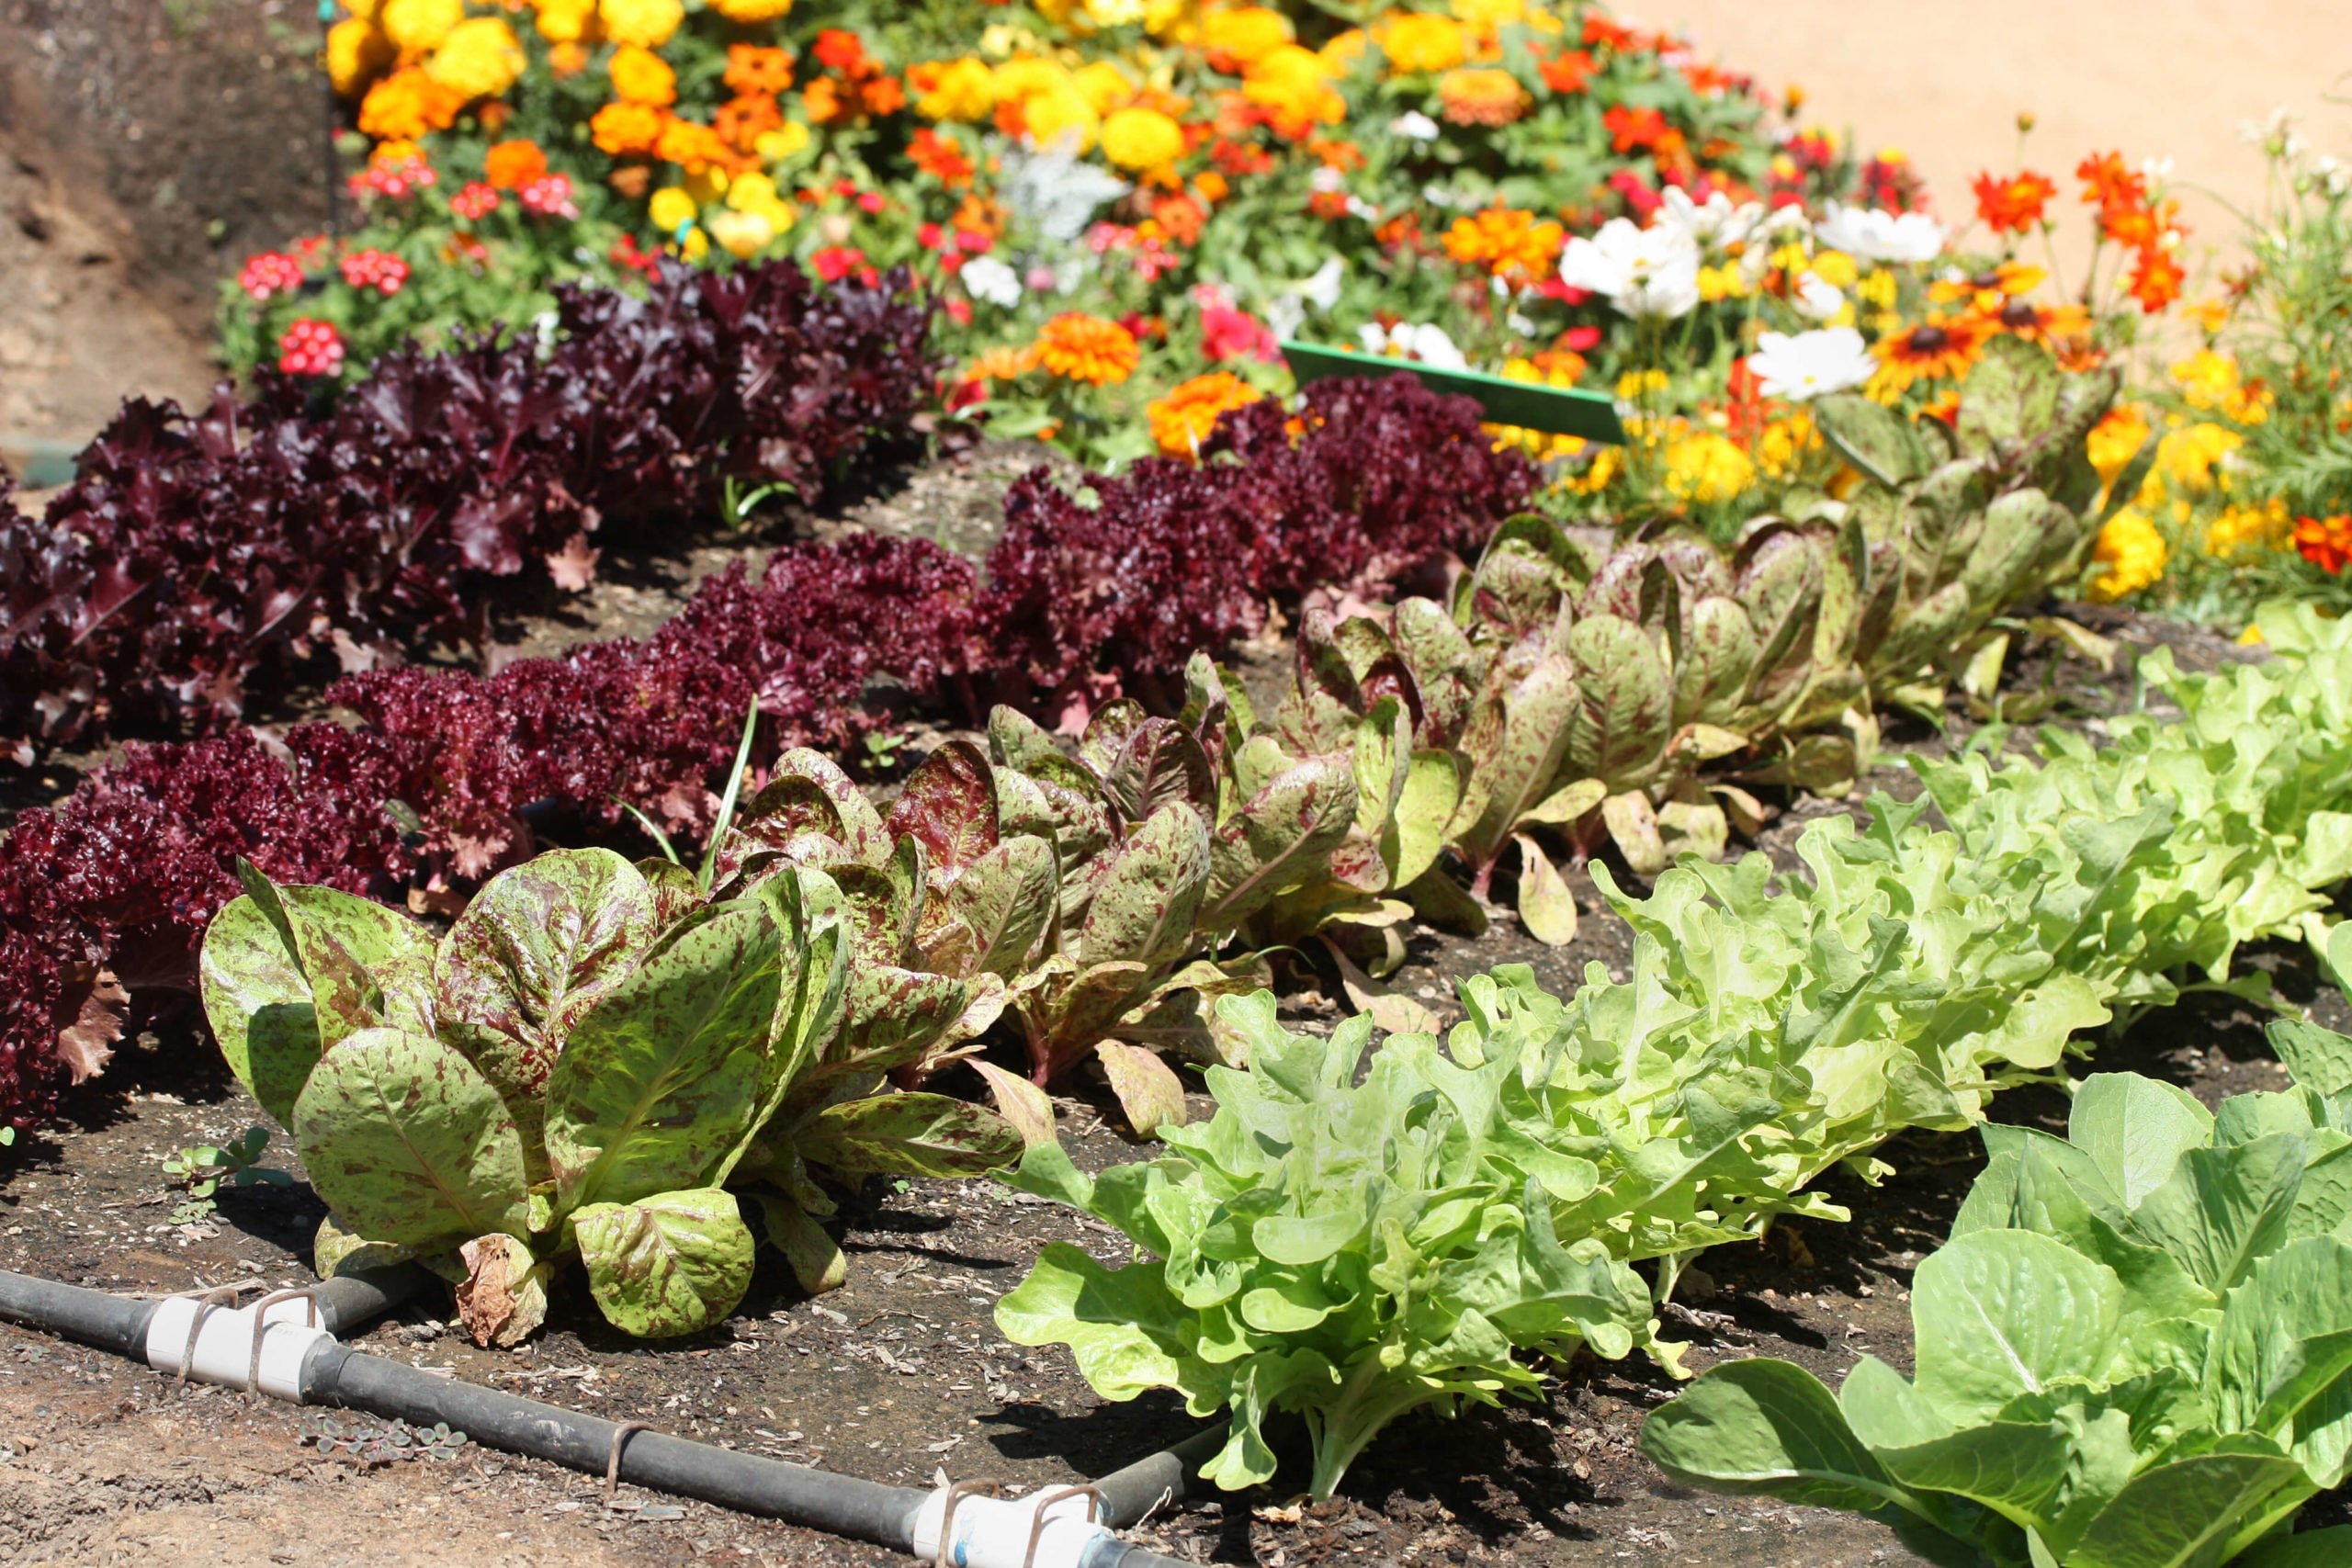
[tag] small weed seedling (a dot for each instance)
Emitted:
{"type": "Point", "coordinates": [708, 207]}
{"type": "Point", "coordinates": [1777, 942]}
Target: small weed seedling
{"type": "Point", "coordinates": [202, 1169]}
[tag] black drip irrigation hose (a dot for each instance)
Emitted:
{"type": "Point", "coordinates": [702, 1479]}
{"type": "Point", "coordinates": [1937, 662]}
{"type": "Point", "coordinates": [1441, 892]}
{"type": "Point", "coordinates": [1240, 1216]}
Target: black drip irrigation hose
{"type": "Point", "coordinates": [901, 1517]}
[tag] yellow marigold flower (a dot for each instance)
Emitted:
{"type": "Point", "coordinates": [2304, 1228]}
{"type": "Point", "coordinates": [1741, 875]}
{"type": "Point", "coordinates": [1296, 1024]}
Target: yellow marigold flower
{"type": "Point", "coordinates": [2240, 527]}
{"type": "Point", "coordinates": [1025, 76]}
{"type": "Point", "coordinates": [1724, 282]}
{"type": "Point", "coordinates": [566, 21]}
{"type": "Point", "coordinates": [628, 130]}
{"type": "Point", "coordinates": [1246, 33]}
{"type": "Point", "coordinates": [1638, 386]}
{"type": "Point", "coordinates": [355, 51]}
{"type": "Point", "coordinates": [1790, 258]}
{"type": "Point", "coordinates": [1079, 347]}
{"type": "Point", "coordinates": [742, 235]}
{"type": "Point", "coordinates": [642, 76]}
{"type": "Point", "coordinates": [1784, 443]}
{"type": "Point", "coordinates": [2115, 439]}
{"type": "Point", "coordinates": [2131, 555]}
{"type": "Point", "coordinates": [418, 26]}
{"type": "Point", "coordinates": [1293, 83]}
{"type": "Point", "coordinates": [961, 89]}
{"type": "Point", "coordinates": [1707, 467]}
{"type": "Point", "coordinates": [1509, 242]}
{"type": "Point", "coordinates": [480, 59]}
{"type": "Point", "coordinates": [1489, 16]}
{"type": "Point", "coordinates": [2206, 379]}
{"type": "Point", "coordinates": [752, 12]}
{"type": "Point", "coordinates": [1114, 13]}
{"type": "Point", "coordinates": [1345, 50]}
{"type": "Point", "coordinates": [1142, 138]}
{"type": "Point", "coordinates": [1880, 289]}
{"type": "Point", "coordinates": [669, 208]}
{"type": "Point", "coordinates": [1482, 97]}
{"type": "Point", "coordinates": [1060, 116]}
{"type": "Point", "coordinates": [1188, 414]}
{"type": "Point", "coordinates": [1835, 268]}
{"type": "Point", "coordinates": [1418, 44]}
{"type": "Point", "coordinates": [775, 146]}
{"type": "Point", "coordinates": [649, 24]}
{"type": "Point", "coordinates": [2210, 315]}
{"type": "Point", "coordinates": [1103, 84]}
{"type": "Point", "coordinates": [2187, 458]}
{"type": "Point", "coordinates": [706, 185]}
{"type": "Point", "coordinates": [695, 245]}
{"type": "Point", "coordinates": [755, 193]}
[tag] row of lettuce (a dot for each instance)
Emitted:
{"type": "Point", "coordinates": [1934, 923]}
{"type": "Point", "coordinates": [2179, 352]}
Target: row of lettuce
{"type": "Point", "coordinates": [1347, 1241]}
{"type": "Point", "coordinates": [1565, 688]}
{"type": "Point", "coordinates": [605, 1061]}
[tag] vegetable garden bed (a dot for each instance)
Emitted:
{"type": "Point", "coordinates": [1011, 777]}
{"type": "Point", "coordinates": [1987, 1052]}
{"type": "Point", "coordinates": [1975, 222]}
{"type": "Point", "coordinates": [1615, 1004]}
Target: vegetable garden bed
{"type": "Point", "coordinates": [904, 1372]}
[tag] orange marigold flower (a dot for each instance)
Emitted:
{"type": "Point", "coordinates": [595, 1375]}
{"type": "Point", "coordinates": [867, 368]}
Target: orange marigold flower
{"type": "Point", "coordinates": [2325, 542]}
{"type": "Point", "coordinates": [624, 130]}
{"type": "Point", "coordinates": [1939, 348]}
{"type": "Point", "coordinates": [2013, 205]}
{"type": "Point", "coordinates": [511, 165]}
{"type": "Point", "coordinates": [567, 60]}
{"type": "Point", "coordinates": [407, 105]}
{"type": "Point", "coordinates": [940, 158]}
{"type": "Point", "coordinates": [1079, 347]}
{"type": "Point", "coordinates": [1188, 414]}
{"type": "Point", "coordinates": [742, 121]}
{"type": "Point", "coordinates": [2156, 279]}
{"type": "Point", "coordinates": [1631, 130]}
{"type": "Point", "coordinates": [1509, 242]}
{"type": "Point", "coordinates": [755, 68]}
{"type": "Point", "coordinates": [1568, 71]}
{"type": "Point", "coordinates": [2106, 183]}
{"type": "Point", "coordinates": [693, 148]}
{"type": "Point", "coordinates": [1482, 96]}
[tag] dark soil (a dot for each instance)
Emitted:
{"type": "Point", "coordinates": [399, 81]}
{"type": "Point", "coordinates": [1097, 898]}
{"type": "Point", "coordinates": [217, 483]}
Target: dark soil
{"type": "Point", "coordinates": [901, 1376]}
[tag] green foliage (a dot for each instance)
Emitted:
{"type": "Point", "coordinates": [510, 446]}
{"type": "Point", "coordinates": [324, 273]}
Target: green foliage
{"type": "Point", "coordinates": [2135, 1349]}
{"type": "Point", "coordinates": [585, 1062]}
{"type": "Point", "coordinates": [1347, 1251]}
{"type": "Point", "coordinates": [200, 1170]}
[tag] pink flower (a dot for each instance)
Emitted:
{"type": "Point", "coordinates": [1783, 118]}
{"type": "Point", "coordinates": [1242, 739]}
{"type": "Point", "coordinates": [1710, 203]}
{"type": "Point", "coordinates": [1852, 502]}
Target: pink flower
{"type": "Point", "coordinates": [550, 195]}
{"type": "Point", "coordinates": [378, 270]}
{"type": "Point", "coordinates": [1228, 333]}
{"type": "Point", "coordinates": [270, 273]}
{"type": "Point", "coordinates": [475, 202]}
{"type": "Point", "coordinates": [310, 348]}
{"type": "Point", "coordinates": [396, 179]}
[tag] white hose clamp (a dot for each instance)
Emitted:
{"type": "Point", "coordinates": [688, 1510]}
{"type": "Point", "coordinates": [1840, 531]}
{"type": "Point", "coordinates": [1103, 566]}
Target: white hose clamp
{"type": "Point", "coordinates": [1049, 1529]}
{"type": "Point", "coordinates": [260, 1347]}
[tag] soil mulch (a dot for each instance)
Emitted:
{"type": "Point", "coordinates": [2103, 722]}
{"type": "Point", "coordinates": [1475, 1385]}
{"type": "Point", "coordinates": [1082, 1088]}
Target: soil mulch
{"type": "Point", "coordinates": [901, 1375]}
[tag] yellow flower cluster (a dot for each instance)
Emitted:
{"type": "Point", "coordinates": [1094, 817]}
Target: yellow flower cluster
{"type": "Point", "coordinates": [2130, 554]}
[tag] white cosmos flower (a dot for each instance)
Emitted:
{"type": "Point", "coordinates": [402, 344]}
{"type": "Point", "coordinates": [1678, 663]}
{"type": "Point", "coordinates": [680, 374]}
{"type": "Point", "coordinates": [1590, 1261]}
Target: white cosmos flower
{"type": "Point", "coordinates": [1424, 340]}
{"type": "Point", "coordinates": [1810, 365]}
{"type": "Point", "coordinates": [1873, 235]}
{"type": "Point", "coordinates": [1817, 299]}
{"type": "Point", "coordinates": [1715, 224]}
{"type": "Point", "coordinates": [989, 280]}
{"type": "Point", "coordinates": [1415, 126]}
{"type": "Point", "coordinates": [1648, 273]}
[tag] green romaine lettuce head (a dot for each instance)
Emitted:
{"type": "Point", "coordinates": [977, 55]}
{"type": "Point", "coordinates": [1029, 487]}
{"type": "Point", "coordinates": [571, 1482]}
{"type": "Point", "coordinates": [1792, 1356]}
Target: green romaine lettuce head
{"type": "Point", "coordinates": [1345, 1250]}
{"type": "Point", "coordinates": [582, 1064]}
{"type": "Point", "coordinates": [2136, 1348]}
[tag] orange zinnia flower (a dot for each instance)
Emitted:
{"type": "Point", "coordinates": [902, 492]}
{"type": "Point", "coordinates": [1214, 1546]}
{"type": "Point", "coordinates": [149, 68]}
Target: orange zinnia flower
{"type": "Point", "coordinates": [1568, 71]}
{"type": "Point", "coordinates": [1509, 244]}
{"type": "Point", "coordinates": [1079, 347]}
{"type": "Point", "coordinates": [1482, 96]}
{"type": "Point", "coordinates": [940, 158]}
{"type": "Point", "coordinates": [511, 165]}
{"type": "Point", "coordinates": [742, 121]}
{"type": "Point", "coordinates": [1188, 414]}
{"type": "Point", "coordinates": [2013, 205]}
{"type": "Point", "coordinates": [2108, 184]}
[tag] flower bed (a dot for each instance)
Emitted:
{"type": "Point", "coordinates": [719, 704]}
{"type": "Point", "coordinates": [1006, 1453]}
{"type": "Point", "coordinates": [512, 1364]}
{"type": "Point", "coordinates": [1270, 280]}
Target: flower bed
{"type": "Point", "coordinates": [194, 558]}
